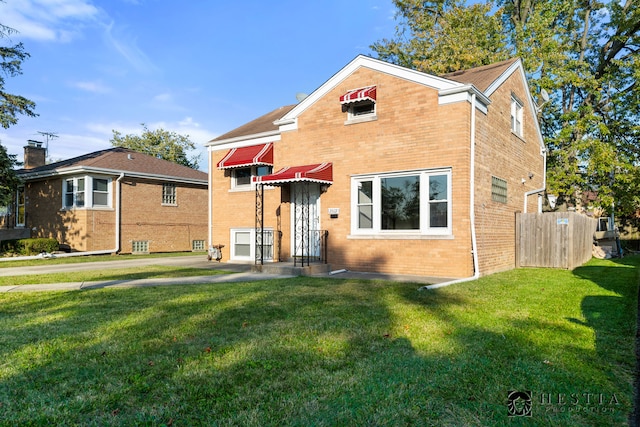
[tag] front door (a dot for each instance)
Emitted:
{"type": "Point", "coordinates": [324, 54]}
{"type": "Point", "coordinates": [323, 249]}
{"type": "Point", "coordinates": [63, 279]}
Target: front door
{"type": "Point", "coordinates": [305, 219]}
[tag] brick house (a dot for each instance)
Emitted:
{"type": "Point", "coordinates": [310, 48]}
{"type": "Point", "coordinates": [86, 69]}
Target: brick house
{"type": "Point", "coordinates": [114, 200]}
{"type": "Point", "coordinates": [384, 169]}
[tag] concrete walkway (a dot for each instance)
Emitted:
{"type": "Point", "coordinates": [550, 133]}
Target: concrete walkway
{"type": "Point", "coordinates": [241, 273]}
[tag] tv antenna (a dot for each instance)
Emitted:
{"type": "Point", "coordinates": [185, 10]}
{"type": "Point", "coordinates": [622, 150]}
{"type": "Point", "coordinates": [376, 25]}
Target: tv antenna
{"type": "Point", "coordinates": [48, 136]}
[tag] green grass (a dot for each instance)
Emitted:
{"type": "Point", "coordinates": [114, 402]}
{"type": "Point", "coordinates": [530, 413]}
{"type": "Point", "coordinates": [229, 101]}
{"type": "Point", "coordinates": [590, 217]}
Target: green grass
{"type": "Point", "coordinates": [146, 272]}
{"type": "Point", "coordinates": [325, 352]}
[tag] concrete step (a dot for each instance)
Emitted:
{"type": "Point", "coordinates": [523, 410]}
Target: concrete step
{"type": "Point", "coordinates": [290, 269]}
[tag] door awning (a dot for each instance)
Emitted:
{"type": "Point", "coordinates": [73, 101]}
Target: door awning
{"type": "Point", "coordinates": [248, 156]}
{"type": "Point", "coordinates": [321, 173]}
{"type": "Point", "coordinates": [363, 94]}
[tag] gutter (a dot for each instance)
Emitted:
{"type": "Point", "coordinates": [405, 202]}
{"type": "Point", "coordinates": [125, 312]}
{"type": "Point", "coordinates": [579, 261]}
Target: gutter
{"type": "Point", "coordinates": [544, 183]}
{"type": "Point", "coordinates": [116, 248]}
{"type": "Point", "coordinates": [472, 215]}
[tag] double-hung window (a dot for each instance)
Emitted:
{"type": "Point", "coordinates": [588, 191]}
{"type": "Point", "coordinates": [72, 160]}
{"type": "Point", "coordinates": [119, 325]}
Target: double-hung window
{"type": "Point", "coordinates": [393, 204]}
{"type": "Point", "coordinates": [516, 116]}
{"type": "Point", "coordinates": [241, 178]}
{"type": "Point", "coordinates": [20, 208]}
{"type": "Point", "coordinates": [86, 192]}
{"type": "Point", "coordinates": [74, 193]}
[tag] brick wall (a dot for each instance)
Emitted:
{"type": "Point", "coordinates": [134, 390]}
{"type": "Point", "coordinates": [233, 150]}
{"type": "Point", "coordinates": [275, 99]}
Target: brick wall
{"type": "Point", "coordinates": [501, 153]}
{"type": "Point", "coordinates": [167, 228]}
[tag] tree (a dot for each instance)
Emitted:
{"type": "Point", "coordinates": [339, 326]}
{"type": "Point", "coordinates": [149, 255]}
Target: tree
{"type": "Point", "coordinates": [443, 36]}
{"type": "Point", "coordinates": [8, 179]}
{"type": "Point", "coordinates": [159, 143]}
{"type": "Point", "coordinates": [11, 58]}
{"type": "Point", "coordinates": [584, 53]}
{"type": "Point", "coordinates": [11, 106]}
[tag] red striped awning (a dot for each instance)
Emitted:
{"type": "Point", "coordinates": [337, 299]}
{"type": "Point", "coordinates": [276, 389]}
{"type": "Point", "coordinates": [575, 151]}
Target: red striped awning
{"type": "Point", "coordinates": [363, 94]}
{"type": "Point", "coordinates": [248, 156]}
{"type": "Point", "coordinates": [321, 173]}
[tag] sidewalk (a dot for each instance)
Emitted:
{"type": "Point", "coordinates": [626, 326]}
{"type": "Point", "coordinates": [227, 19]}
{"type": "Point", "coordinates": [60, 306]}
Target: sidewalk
{"type": "Point", "coordinates": [241, 273]}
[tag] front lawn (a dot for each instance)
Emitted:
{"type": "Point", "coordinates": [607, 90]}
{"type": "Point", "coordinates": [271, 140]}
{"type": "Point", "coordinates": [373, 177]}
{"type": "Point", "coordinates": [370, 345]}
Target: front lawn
{"type": "Point", "coordinates": [316, 351]}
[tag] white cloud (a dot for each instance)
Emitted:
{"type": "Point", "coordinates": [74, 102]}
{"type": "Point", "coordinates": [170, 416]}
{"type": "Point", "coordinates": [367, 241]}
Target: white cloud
{"type": "Point", "coordinates": [126, 46]}
{"type": "Point", "coordinates": [163, 97]}
{"type": "Point", "coordinates": [47, 20]}
{"type": "Point", "coordinates": [94, 87]}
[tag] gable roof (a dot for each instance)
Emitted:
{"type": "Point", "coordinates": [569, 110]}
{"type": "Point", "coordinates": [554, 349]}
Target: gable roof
{"type": "Point", "coordinates": [114, 161]}
{"type": "Point", "coordinates": [481, 77]}
{"type": "Point", "coordinates": [263, 125]}
{"type": "Point", "coordinates": [453, 87]}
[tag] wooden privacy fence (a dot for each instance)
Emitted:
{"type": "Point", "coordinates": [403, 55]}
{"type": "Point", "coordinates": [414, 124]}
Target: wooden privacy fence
{"type": "Point", "coordinates": [554, 239]}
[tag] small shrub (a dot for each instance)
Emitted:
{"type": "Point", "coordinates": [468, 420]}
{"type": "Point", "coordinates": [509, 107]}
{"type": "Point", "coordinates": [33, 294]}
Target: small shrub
{"type": "Point", "coordinates": [28, 246]}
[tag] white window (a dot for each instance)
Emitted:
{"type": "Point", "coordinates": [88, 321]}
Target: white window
{"type": "Point", "coordinates": [197, 245]}
{"type": "Point", "coordinates": [241, 178]}
{"type": "Point", "coordinates": [86, 191]}
{"type": "Point", "coordinates": [74, 193]}
{"type": "Point", "coordinates": [516, 116]}
{"type": "Point", "coordinates": [100, 193]}
{"type": "Point", "coordinates": [169, 194]}
{"type": "Point", "coordinates": [360, 111]}
{"type": "Point", "coordinates": [243, 244]}
{"type": "Point", "coordinates": [20, 208]}
{"type": "Point", "coordinates": [408, 203]}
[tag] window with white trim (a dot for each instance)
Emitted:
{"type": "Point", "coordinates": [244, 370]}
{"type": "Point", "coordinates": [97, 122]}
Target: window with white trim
{"type": "Point", "coordinates": [169, 194]}
{"type": "Point", "coordinates": [516, 116]}
{"type": "Point", "coordinates": [413, 202]}
{"type": "Point", "coordinates": [243, 247]}
{"type": "Point", "coordinates": [20, 207]}
{"type": "Point", "coordinates": [241, 178]}
{"type": "Point", "coordinates": [74, 192]}
{"type": "Point", "coordinates": [197, 245]}
{"type": "Point", "coordinates": [86, 192]}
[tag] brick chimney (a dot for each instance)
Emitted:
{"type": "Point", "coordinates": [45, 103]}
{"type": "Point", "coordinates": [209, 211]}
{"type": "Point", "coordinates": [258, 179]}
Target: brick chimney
{"type": "Point", "coordinates": [34, 154]}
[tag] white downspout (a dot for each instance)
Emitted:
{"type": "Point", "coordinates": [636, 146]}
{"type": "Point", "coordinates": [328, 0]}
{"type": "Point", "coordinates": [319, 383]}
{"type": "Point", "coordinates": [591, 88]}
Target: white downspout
{"type": "Point", "coordinates": [544, 184]}
{"type": "Point", "coordinates": [116, 248]}
{"type": "Point", "coordinates": [118, 219]}
{"type": "Point", "coordinates": [209, 190]}
{"type": "Point", "coordinates": [472, 207]}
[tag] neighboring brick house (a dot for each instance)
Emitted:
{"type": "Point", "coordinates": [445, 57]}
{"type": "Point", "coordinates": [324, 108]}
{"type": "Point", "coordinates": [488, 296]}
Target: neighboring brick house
{"type": "Point", "coordinates": [384, 169]}
{"type": "Point", "coordinates": [114, 200]}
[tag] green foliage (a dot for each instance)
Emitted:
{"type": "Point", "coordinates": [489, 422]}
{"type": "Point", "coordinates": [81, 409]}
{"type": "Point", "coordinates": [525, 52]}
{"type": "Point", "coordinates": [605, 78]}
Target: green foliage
{"type": "Point", "coordinates": [9, 181]}
{"type": "Point", "coordinates": [584, 54]}
{"type": "Point", "coordinates": [11, 58]}
{"type": "Point", "coordinates": [28, 246]}
{"type": "Point", "coordinates": [159, 143]}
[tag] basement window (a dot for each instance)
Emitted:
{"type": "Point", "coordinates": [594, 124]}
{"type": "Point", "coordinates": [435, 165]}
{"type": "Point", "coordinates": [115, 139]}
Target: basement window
{"type": "Point", "coordinates": [140, 247]}
{"type": "Point", "coordinates": [197, 245]}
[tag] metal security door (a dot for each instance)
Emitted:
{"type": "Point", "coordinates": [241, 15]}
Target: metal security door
{"type": "Point", "coordinates": [305, 221]}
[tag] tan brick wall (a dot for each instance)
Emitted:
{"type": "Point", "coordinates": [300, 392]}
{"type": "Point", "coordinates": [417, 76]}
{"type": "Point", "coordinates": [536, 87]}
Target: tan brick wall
{"type": "Point", "coordinates": [501, 153]}
{"type": "Point", "coordinates": [411, 132]}
{"type": "Point", "coordinates": [167, 228]}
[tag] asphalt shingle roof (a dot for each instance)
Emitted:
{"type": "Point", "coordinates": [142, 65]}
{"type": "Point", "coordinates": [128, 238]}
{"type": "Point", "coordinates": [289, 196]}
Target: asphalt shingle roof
{"type": "Point", "coordinates": [122, 160]}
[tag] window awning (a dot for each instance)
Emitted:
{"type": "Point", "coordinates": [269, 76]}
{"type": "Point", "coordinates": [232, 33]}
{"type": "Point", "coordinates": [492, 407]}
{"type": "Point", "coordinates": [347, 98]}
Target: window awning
{"type": "Point", "coordinates": [363, 94]}
{"type": "Point", "coordinates": [321, 173]}
{"type": "Point", "coordinates": [248, 156]}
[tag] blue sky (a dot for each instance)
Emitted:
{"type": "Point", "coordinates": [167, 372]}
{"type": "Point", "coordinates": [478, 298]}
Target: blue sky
{"type": "Point", "coordinates": [196, 67]}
